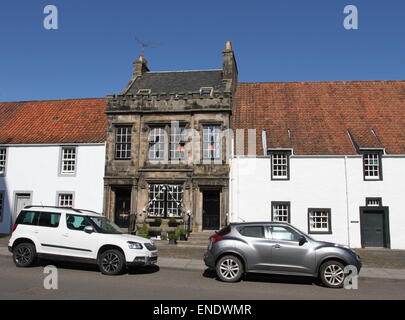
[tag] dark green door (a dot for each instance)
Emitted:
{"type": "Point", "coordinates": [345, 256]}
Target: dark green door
{"type": "Point", "coordinates": [373, 231]}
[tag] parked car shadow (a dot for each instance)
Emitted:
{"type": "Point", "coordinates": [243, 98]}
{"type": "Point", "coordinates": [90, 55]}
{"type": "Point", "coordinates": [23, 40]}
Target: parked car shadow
{"type": "Point", "coordinates": [258, 277]}
{"type": "Point", "coordinates": [94, 268]}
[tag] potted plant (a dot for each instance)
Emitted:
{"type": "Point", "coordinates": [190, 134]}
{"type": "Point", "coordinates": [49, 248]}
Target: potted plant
{"type": "Point", "coordinates": [156, 222]}
{"type": "Point", "coordinates": [182, 233]}
{"type": "Point", "coordinates": [173, 222]}
{"type": "Point", "coordinates": [172, 238]}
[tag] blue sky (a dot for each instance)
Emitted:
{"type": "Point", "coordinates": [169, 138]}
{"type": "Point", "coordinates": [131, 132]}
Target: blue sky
{"type": "Point", "coordinates": [91, 53]}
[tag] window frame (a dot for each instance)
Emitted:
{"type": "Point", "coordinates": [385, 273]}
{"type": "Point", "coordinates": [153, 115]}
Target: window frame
{"type": "Point", "coordinates": [164, 201]}
{"type": "Point", "coordinates": [285, 203]}
{"type": "Point", "coordinates": [161, 146]}
{"type": "Point", "coordinates": [286, 153]}
{"type": "Point", "coordinates": [204, 89]}
{"type": "Point", "coordinates": [217, 144]}
{"type": "Point", "coordinates": [129, 128]}
{"type": "Point", "coordinates": [61, 193]}
{"type": "Point", "coordinates": [379, 154]}
{"type": "Point", "coordinates": [5, 151]}
{"type": "Point", "coordinates": [63, 160]}
{"type": "Point", "coordinates": [329, 228]}
{"type": "Point", "coordinates": [173, 143]}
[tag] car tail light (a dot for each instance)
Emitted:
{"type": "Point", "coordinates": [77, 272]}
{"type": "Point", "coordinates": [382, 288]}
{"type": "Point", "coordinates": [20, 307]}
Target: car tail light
{"type": "Point", "coordinates": [15, 226]}
{"type": "Point", "coordinates": [217, 238]}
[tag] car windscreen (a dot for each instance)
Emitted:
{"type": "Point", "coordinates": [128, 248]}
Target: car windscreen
{"type": "Point", "coordinates": [103, 225]}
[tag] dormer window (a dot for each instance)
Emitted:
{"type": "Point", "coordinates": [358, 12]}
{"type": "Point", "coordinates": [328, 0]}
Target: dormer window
{"type": "Point", "coordinates": [372, 167]}
{"type": "Point", "coordinates": [206, 91]}
{"type": "Point", "coordinates": [144, 91]}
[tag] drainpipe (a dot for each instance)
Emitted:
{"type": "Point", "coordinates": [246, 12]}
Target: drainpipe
{"type": "Point", "coordinates": [347, 204]}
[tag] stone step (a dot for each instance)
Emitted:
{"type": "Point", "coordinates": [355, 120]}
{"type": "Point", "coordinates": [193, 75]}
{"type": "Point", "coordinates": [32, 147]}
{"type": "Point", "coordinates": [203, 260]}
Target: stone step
{"type": "Point", "coordinates": [199, 236]}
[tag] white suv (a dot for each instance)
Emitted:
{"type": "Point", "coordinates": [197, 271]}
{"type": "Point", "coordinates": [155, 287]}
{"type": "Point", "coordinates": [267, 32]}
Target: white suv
{"type": "Point", "coordinates": [76, 235]}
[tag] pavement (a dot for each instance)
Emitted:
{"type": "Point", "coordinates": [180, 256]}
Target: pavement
{"type": "Point", "coordinates": [377, 263]}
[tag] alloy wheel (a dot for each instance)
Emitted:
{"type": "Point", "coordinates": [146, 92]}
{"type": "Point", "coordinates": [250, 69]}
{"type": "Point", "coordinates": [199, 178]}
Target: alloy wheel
{"type": "Point", "coordinates": [23, 255]}
{"type": "Point", "coordinates": [334, 275]}
{"type": "Point", "coordinates": [229, 269]}
{"type": "Point", "coordinates": [110, 262]}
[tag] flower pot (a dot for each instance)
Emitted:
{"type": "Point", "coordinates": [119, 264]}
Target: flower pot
{"type": "Point", "coordinates": [183, 237]}
{"type": "Point", "coordinates": [172, 241]}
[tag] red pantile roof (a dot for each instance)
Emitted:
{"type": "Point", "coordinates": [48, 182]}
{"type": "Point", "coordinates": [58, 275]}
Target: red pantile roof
{"type": "Point", "coordinates": [48, 122]}
{"type": "Point", "coordinates": [315, 118]}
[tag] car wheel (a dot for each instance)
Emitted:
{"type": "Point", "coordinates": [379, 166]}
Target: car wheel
{"type": "Point", "coordinates": [332, 274]}
{"type": "Point", "coordinates": [24, 255]}
{"type": "Point", "coordinates": [112, 262]}
{"type": "Point", "coordinates": [229, 269]}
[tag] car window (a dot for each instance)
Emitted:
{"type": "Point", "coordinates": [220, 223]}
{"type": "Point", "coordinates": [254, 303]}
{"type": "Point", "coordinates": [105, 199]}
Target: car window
{"type": "Point", "coordinates": [28, 218]}
{"type": "Point", "coordinates": [76, 222]}
{"type": "Point", "coordinates": [284, 233]}
{"type": "Point", "coordinates": [47, 219]}
{"type": "Point", "coordinates": [252, 231]}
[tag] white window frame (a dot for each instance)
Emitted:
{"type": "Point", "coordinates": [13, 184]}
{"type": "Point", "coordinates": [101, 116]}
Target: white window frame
{"type": "Point", "coordinates": [206, 91]}
{"type": "Point", "coordinates": [68, 163]}
{"type": "Point", "coordinates": [280, 211]}
{"type": "Point", "coordinates": [123, 142]}
{"type": "Point", "coordinates": [211, 142]}
{"type": "Point", "coordinates": [157, 143]}
{"type": "Point", "coordinates": [280, 165]}
{"type": "Point", "coordinates": [63, 202]}
{"type": "Point", "coordinates": [165, 200]}
{"type": "Point", "coordinates": [3, 160]}
{"type": "Point", "coordinates": [177, 143]}
{"type": "Point", "coordinates": [322, 217]}
{"type": "Point", "coordinates": [372, 166]}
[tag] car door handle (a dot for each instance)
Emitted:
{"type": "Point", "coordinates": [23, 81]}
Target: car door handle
{"type": "Point", "coordinates": [36, 231]}
{"type": "Point", "coordinates": [277, 246]}
{"type": "Point", "coordinates": [65, 235]}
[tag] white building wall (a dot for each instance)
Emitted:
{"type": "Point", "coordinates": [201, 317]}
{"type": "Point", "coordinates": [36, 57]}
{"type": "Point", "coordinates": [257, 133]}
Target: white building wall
{"type": "Point", "coordinates": [320, 182]}
{"type": "Point", "coordinates": [36, 169]}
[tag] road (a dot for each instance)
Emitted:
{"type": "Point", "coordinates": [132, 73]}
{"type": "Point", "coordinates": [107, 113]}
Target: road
{"type": "Point", "coordinates": [79, 282]}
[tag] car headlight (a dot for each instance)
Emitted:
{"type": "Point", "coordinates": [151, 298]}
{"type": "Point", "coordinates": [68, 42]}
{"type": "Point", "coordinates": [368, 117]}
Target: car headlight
{"type": "Point", "coordinates": [134, 245]}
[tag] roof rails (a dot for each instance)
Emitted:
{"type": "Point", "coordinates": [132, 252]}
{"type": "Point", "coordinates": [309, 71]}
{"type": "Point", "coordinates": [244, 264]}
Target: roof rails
{"type": "Point", "coordinates": [86, 210]}
{"type": "Point", "coordinates": [53, 207]}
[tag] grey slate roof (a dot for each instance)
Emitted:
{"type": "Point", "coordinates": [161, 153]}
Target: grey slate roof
{"type": "Point", "coordinates": [178, 81]}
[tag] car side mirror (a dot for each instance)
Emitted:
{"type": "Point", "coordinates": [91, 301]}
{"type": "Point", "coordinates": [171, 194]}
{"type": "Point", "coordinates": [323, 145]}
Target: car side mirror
{"type": "Point", "coordinates": [89, 229]}
{"type": "Point", "coordinates": [302, 240]}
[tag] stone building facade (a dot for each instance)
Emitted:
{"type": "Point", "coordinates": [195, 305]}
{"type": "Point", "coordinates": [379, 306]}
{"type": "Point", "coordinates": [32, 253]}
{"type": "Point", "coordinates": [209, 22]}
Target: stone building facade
{"type": "Point", "coordinates": [168, 147]}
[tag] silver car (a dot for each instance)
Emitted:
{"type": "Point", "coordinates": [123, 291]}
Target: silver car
{"type": "Point", "coordinates": [277, 248]}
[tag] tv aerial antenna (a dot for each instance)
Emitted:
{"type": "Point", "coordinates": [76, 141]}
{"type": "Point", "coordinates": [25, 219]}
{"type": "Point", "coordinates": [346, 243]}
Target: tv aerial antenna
{"type": "Point", "coordinates": [146, 44]}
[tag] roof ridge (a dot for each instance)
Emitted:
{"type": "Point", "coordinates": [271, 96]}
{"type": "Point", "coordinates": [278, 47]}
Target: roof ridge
{"type": "Point", "coordinates": [334, 81]}
{"type": "Point", "coordinates": [173, 71]}
{"type": "Point", "coordinates": [50, 100]}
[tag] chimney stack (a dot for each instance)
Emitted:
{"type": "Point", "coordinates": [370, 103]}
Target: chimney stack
{"type": "Point", "coordinates": [230, 69]}
{"type": "Point", "coordinates": [140, 66]}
